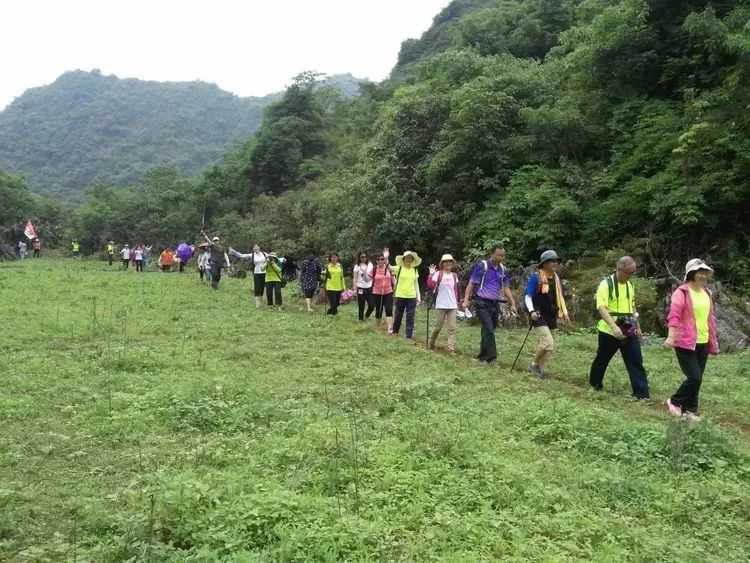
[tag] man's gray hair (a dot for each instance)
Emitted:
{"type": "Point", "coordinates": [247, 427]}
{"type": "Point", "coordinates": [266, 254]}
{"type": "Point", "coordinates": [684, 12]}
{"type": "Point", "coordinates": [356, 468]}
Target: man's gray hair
{"type": "Point", "coordinates": [625, 261]}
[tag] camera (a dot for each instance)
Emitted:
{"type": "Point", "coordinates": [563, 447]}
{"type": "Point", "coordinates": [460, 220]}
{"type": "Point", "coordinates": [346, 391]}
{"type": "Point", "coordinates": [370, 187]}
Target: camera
{"type": "Point", "coordinates": [627, 326]}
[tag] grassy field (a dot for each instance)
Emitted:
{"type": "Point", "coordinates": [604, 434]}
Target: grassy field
{"type": "Point", "coordinates": [145, 417]}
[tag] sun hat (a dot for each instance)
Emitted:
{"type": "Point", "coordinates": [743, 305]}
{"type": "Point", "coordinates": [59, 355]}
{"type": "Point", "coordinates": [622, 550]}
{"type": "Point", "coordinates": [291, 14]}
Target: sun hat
{"type": "Point", "coordinates": [447, 257]}
{"type": "Point", "coordinates": [111, 242]}
{"type": "Point", "coordinates": [549, 255]}
{"type": "Point", "coordinates": [400, 259]}
{"type": "Point", "coordinates": [273, 255]}
{"type": "Point", "coordinates": [215, 239]}
{"type": "Point", "coordinates": [696, 264]}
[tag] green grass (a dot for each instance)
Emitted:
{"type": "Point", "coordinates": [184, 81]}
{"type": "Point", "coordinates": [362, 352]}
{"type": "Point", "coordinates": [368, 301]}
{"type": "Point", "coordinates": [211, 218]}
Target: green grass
{"type": "Point", "coordinates": [145, 417]}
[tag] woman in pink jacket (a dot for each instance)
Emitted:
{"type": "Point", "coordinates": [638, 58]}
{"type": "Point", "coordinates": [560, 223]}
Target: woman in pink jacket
{"type": "Point", "coordinates": [692, 333]}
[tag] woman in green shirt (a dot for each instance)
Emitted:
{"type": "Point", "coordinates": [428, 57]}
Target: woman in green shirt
{"type": "Point", "coordinates": [406, 293]}
{"type": "Point", "coordinates": [273, 279]}
{"type": "Point", "coordinates": [335, 285]}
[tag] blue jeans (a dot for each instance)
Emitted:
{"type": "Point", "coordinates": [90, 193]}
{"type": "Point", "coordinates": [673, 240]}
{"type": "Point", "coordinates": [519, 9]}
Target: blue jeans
{"type": "Point", "coordinates": [409, 306]}
{"type": "Point", "coordinates": [630, 349]}
{"type": "Point", "coordinates": [488, 311]}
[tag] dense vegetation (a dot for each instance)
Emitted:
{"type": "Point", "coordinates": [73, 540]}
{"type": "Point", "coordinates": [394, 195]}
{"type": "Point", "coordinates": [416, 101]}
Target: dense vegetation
{"type": "Point", "coordinates": [580, 125]}
{"type": "Point", "coordinates": [146, 418]}
{"type": "Point", "coordinates": [86, 128]}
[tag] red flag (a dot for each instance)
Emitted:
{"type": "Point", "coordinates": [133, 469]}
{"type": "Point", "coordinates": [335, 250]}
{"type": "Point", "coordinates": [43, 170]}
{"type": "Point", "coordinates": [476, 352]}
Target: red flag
{"type": "Point", "coordinates": [29, 230]}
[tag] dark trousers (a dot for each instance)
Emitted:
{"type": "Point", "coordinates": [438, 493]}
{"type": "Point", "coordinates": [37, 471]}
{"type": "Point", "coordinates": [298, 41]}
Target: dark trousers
{"type": "Point", "coordinates": [630, 349]}
{"type": "Point", "coordinates": [410, 307]}
{"type": "Point", "coordinates": [334, 298]}
{"type": "Point", "coordinates": [215, 274]}
{"type": "Point", "coordinates": [384, 303]}
{"type": "Point", "coordinates": [125, 263]}
{"type": "Point", "coordinates": [182, 266]}
{"type": "Point", "coordinates": [273, 291]}
{"type": "Point", "coordinates": [109, 258]}
{"type": "Point", "coordinates": [139, 265]}
{"type": "Point", "coordinates": [259, 284]}
{"type": "Point", "coordinates": [693, 364]}
{"type": "Point", "coordinates": [36, 253]}
{"type": "Point", "coordinates": [488, 311]}
{"type": "Point", "coordinates": [364, 297]}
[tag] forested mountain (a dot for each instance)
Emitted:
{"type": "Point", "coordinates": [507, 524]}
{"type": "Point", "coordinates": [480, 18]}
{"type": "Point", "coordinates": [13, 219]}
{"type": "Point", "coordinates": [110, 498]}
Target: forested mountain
{"type": "Point", "coordinates": [577, 125]}
{"type": "Point", "coordinates": [581, 125]}
{"type": "Point", "coordinates": [87, 128]}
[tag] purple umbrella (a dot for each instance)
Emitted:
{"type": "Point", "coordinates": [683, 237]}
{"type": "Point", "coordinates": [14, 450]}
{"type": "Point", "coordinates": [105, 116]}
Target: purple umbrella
{"type": "Point", "coordinates": [184, 252]}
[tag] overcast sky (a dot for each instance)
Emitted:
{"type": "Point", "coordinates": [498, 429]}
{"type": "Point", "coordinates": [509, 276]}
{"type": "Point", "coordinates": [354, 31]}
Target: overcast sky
{"type": "Point", "coordinates": [249, 47]}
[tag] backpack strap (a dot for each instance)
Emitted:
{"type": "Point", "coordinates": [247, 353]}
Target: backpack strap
{"type": "Point", "coordinates": [398, 276]}
{"type": "Point", "coordinates": [484, 273]}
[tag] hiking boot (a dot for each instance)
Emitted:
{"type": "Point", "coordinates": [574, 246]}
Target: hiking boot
{"type": "Point", "coordinates": [410, 341]}
{"type": "Point", "coordinates": [536, 369]}
{"type": "Point", "coordinates": [691, 417]}
{"type": "Point", "coordinates": [645, 400]}
{"type": "Point", "coordinates": [674, 410]}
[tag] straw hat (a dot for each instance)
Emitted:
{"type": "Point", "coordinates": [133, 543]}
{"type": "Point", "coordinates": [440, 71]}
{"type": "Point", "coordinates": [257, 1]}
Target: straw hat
{"type": "Point", "coordinates": [273, 255]}
{"type": "Point", "coordinates": [417, 260]}
{"type": "Point", "coordinates": [447, 257]}
{"type": "Point", "coordinates": [696, 264]}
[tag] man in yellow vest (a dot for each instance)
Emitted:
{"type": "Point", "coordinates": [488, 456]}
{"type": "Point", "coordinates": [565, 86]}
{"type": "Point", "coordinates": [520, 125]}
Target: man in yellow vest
{"type": "Point", "coordinates": [619, 329]}
{"type": "Point", "coordinates": [76, 248]}
{"type": "Point", "coordinates": [110, 251]}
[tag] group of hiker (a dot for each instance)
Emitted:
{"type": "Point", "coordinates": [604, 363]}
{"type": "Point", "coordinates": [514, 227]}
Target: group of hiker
{"type": "Point", "coordinates": [392, 293]}
{"type": "Point", "coordinates": [139, 256]}
{"type": "Point", "coordinates": [22, 248]}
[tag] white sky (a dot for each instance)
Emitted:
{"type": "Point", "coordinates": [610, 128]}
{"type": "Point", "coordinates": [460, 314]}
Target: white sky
{"type": "Point", "coordinates": [250, 47]}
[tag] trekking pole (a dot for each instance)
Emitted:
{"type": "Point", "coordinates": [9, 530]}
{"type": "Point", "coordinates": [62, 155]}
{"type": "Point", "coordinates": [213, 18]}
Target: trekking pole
{"type": "Point", "coordinates": [521, 349]}
{"type": "Point", "coordinates": [427, 324]}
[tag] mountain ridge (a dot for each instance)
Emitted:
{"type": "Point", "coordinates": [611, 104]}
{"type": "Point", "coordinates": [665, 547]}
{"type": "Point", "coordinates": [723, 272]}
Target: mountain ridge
{"type": "Point", "coordinates": [87, 128]}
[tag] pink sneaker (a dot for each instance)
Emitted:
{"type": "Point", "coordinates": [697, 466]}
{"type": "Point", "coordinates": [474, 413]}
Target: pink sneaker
{"type": "Point", "coordinates": [673, 409]}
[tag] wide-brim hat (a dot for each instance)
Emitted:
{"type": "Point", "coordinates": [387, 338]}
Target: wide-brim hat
{"type": "Point", "coordinates": [696, 264]}
{"type": "Point", "coordinates": [111, 242]}
{"type": "Point", "coordinates": [273, 255]}
{"type": "Point", "coordinates": [548, 256]}
{"type": "Point", "coordinates": [416, 262]}
{"type": "Point", "coordinates": [203, 245]}
{"type": "Point", "coordinates": [215, 239]}
{"type": "Point", "coordinates": [447, 258]}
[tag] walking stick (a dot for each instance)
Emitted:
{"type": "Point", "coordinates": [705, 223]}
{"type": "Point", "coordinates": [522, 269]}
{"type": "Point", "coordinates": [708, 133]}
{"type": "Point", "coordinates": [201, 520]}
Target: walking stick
{"type": "Point", "coordinates": [427, 324]}
{"type": "Point", "coordinates": [519, 351]}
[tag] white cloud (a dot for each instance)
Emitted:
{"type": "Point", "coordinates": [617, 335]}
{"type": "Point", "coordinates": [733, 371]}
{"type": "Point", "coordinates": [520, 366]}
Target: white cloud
{"type": "Point", "coordinates": [249, 48]}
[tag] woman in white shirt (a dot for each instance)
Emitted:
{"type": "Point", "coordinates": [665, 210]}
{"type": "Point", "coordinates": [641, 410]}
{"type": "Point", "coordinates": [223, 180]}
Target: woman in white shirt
{"type": "Point", "coordinates": [362, 278]}
{"type": "Point", "coordinates": [259, 259]}
{"type": "Point", "coordinates": [444, 284]}
{"type": "Point", "coordinates": [138, 259]}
